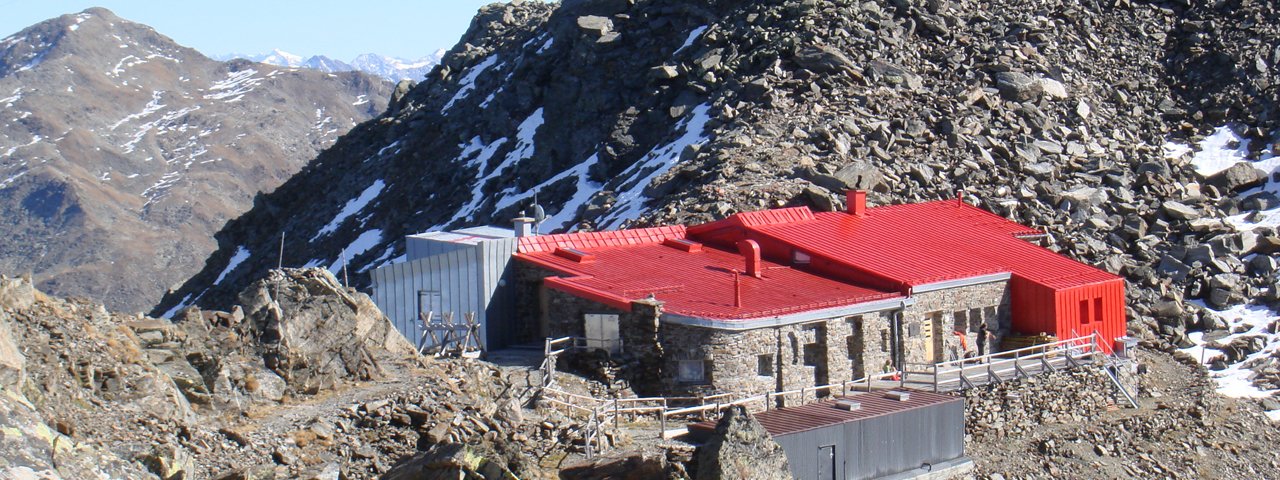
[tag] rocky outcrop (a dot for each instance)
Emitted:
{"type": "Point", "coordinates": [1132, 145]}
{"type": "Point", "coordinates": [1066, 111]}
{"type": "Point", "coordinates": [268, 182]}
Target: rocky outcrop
{"type": "Point", "coordinates": [741, 449]}
{"type": "Point", "coordinates": [313, 332]}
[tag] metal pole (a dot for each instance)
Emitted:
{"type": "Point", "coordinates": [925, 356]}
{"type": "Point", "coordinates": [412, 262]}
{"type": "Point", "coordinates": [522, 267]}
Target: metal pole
{"type": "Point", "coordinates": [344, 269]}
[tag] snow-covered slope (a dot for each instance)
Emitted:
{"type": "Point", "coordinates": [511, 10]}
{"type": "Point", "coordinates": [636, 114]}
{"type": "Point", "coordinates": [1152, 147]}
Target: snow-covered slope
{"type": "Point", "coordinates": [122, 152]}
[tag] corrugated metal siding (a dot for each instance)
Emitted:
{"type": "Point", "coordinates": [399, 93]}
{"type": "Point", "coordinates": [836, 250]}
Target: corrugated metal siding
{"type": "Point", "coordinates": [1111, 316]}
{"type": "Point", "coordinates": [498, 285]}
{"type": "Point", "coordinates": [469, 278]}
{"type": "Point", "coordinates": [881, 445]}
{"type": "Point", "coordinates": [1033, 307]}
{"type": "Point", "coordinates": [455, 275]}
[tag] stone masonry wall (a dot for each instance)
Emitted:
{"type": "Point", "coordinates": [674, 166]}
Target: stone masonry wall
{"type": "Point", "coordinates": [967, 309]}
{"type": "Point", "coordinates": [790, 357]}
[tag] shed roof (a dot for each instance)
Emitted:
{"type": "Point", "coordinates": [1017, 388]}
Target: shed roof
{"type": "Point", "coordinates": [617, 267]}
{"type": "Point", "coordinates": [912, 244]}
{"type": "Point", "coordinates": [467, 236]}
{"type": "Point", "coordinates": [791, 420]}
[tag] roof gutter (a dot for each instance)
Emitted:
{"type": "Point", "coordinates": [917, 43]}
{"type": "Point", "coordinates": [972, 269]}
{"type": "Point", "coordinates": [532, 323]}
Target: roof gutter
{"type": "Point", "coordinates": [790, 319]}
{"type": "Point", "coordinates": [962, 282]}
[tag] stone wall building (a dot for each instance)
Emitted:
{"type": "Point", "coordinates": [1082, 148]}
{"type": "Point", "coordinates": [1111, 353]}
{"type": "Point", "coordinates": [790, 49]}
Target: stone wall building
{"type": "Point", "coordinates": [785, 299]}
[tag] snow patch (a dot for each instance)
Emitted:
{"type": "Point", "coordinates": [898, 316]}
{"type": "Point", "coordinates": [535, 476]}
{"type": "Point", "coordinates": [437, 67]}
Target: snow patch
{"type": "Point", "coordinates": [151, 107]}
{"type": "Point", "coordinates": [630, 198]}
{"type": "Point", "coordinates": [546, 46]}
{"type": "Point", "coordinates": [352, 207]}
{"type": "Point", "coordinates": [361, 100]}
{"type": "Point", "coordinates": [523, 149]}
{"type": "Point", "coordinates": [361, 244]}
{"type": "Point", "coordinates": [235, 87]}
{"type": "Point", "coordinates": [1248, 321]}
{"type": "Point", "coordinates": [177, 308]}
{"type": "Point", "coordinates": [236, 259]}
{"type": "Point", "coordinates": [468, 82]}
{"type": "Point", "coordinates": [688, 42]}
{"type": "Point", "coordinates": [1220, 151]}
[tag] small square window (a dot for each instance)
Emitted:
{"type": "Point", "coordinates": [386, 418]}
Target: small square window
{"type": "Point", "coordinates": [691, 371]}
{"type": "Point", "coordinates": [799, 258]}
{"type": "Point", "coordinates": [764, 365]}
{"type": "Point", "coordinates": [913, 329]}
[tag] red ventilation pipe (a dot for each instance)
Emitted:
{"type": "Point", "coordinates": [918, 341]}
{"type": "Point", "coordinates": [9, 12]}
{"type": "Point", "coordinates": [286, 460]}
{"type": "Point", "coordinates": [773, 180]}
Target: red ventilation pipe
{"type": "Point", "coordinates": [751, 251]}
{"type": "Point", "coordinates": [856, 202]}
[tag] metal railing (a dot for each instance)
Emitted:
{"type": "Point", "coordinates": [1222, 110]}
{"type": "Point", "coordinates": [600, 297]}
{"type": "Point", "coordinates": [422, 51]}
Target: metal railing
{"type": "Point", "coordinates": [601, 412]}
{"type": "Point", "coordinates": [1001, 366]}
{"type": "Point", "coordinates": [938, 377]}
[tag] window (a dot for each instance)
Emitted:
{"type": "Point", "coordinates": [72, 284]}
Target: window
{"type": "Point", "coordinates": [962, 321]}
{"type": "Point", "coordinates": [913, 330]}
{"type": "Point", "coordinates": [884, 340]}
{"type": "Point", "coordinates": [975, 320]}
{"type": "Point", "coordinates": [691, 371]}
{"type": "Point", "coordinates": [1097, 309]}
{"type": "Point", "coordinates": [799, 258]}
{"type": "Point", "coordinates": [813, 355]}
{"type": "Point", "coordinates": [1084, 312]}
{"type": "Point", "coordinates": [989, 313]}
{"type": "Point", "coordinates": [764, 365]}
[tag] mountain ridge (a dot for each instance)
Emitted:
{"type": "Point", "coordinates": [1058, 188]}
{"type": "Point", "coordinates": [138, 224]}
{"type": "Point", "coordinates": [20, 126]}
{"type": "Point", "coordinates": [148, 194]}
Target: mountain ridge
{"type": "Point", "coordinates": [391, 68]}
{"type": "Point", "coordinates": [121, 151]}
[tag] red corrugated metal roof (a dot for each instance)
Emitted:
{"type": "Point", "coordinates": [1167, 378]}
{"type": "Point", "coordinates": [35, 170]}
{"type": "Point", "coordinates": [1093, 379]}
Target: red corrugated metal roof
{"type": "Point", "coordinates": [589, 240]}
{"type": "Point", "coordinates": [786, 421]}
{"type": "Point", "coordinates": [697, 284]}
{"type": "Point", "coordinates": [918, 244]}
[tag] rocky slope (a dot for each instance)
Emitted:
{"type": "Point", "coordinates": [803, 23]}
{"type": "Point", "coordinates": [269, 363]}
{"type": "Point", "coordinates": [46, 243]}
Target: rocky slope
{"type": "Point", "coordinates": [1052, 113]}
{"type": "Point", "coordinates": [122, 152]}
{"type": "Point", "coordinates": [267, 390]}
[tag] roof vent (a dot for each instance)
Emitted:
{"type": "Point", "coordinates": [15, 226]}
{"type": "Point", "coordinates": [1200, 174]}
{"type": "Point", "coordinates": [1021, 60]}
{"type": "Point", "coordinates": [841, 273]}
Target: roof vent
{"type": "Point", "coordinates": [856, 202]}
{"type": "Point", "coordinates": [899, 396]}
{"type": "Point", "coordinates": [849, 405]}
{"type": "Point", "coordinates": [575, 255]}
{"type": "Point", "coordinates": [683, 245]}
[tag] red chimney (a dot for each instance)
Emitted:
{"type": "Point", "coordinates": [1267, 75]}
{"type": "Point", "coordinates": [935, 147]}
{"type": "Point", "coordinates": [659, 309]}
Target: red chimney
{"type": "Point", "coordinates": [751, 250]}
{"type": "Point", "coordinates": [856, 202]}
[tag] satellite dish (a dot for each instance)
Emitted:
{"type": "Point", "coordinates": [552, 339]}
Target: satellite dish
{"type": "Point", "coordinates": [539, 215]}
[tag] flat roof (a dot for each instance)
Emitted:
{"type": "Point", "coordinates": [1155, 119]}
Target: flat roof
{"type": "Point", "coordinates": [469, 236]}
{"type": "Point", "coordinates": [791, 420]}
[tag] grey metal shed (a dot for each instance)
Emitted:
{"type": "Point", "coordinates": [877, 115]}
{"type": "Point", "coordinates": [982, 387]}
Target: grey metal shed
{"type": "Point", "coordinates": [461, 271]}
{"type": "Point", "coordinates": [886, 436]}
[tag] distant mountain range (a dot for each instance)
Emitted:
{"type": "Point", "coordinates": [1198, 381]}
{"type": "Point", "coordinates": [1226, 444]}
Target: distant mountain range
{"type": "Point", "coordinates": [391, 68]}
{"type": "Point", "coordinates": [121, 152]}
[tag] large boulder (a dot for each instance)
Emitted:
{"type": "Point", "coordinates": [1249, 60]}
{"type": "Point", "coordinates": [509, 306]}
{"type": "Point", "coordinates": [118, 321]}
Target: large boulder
{"type": "Point", "coordinates": [313, 332]}
{"type": "Point", "coordinates": [1238, 177]}
{"type": "Point", "coordinates": [452, 460]}
{"type": "Point", "coordinates": [741, 449]}
{"type": "Point", "coordinates": [16, 293]}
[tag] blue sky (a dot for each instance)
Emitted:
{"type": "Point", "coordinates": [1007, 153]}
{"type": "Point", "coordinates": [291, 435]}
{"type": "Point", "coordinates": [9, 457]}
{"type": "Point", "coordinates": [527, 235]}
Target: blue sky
{"type": "Point", "coordinates": [340, 29]}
